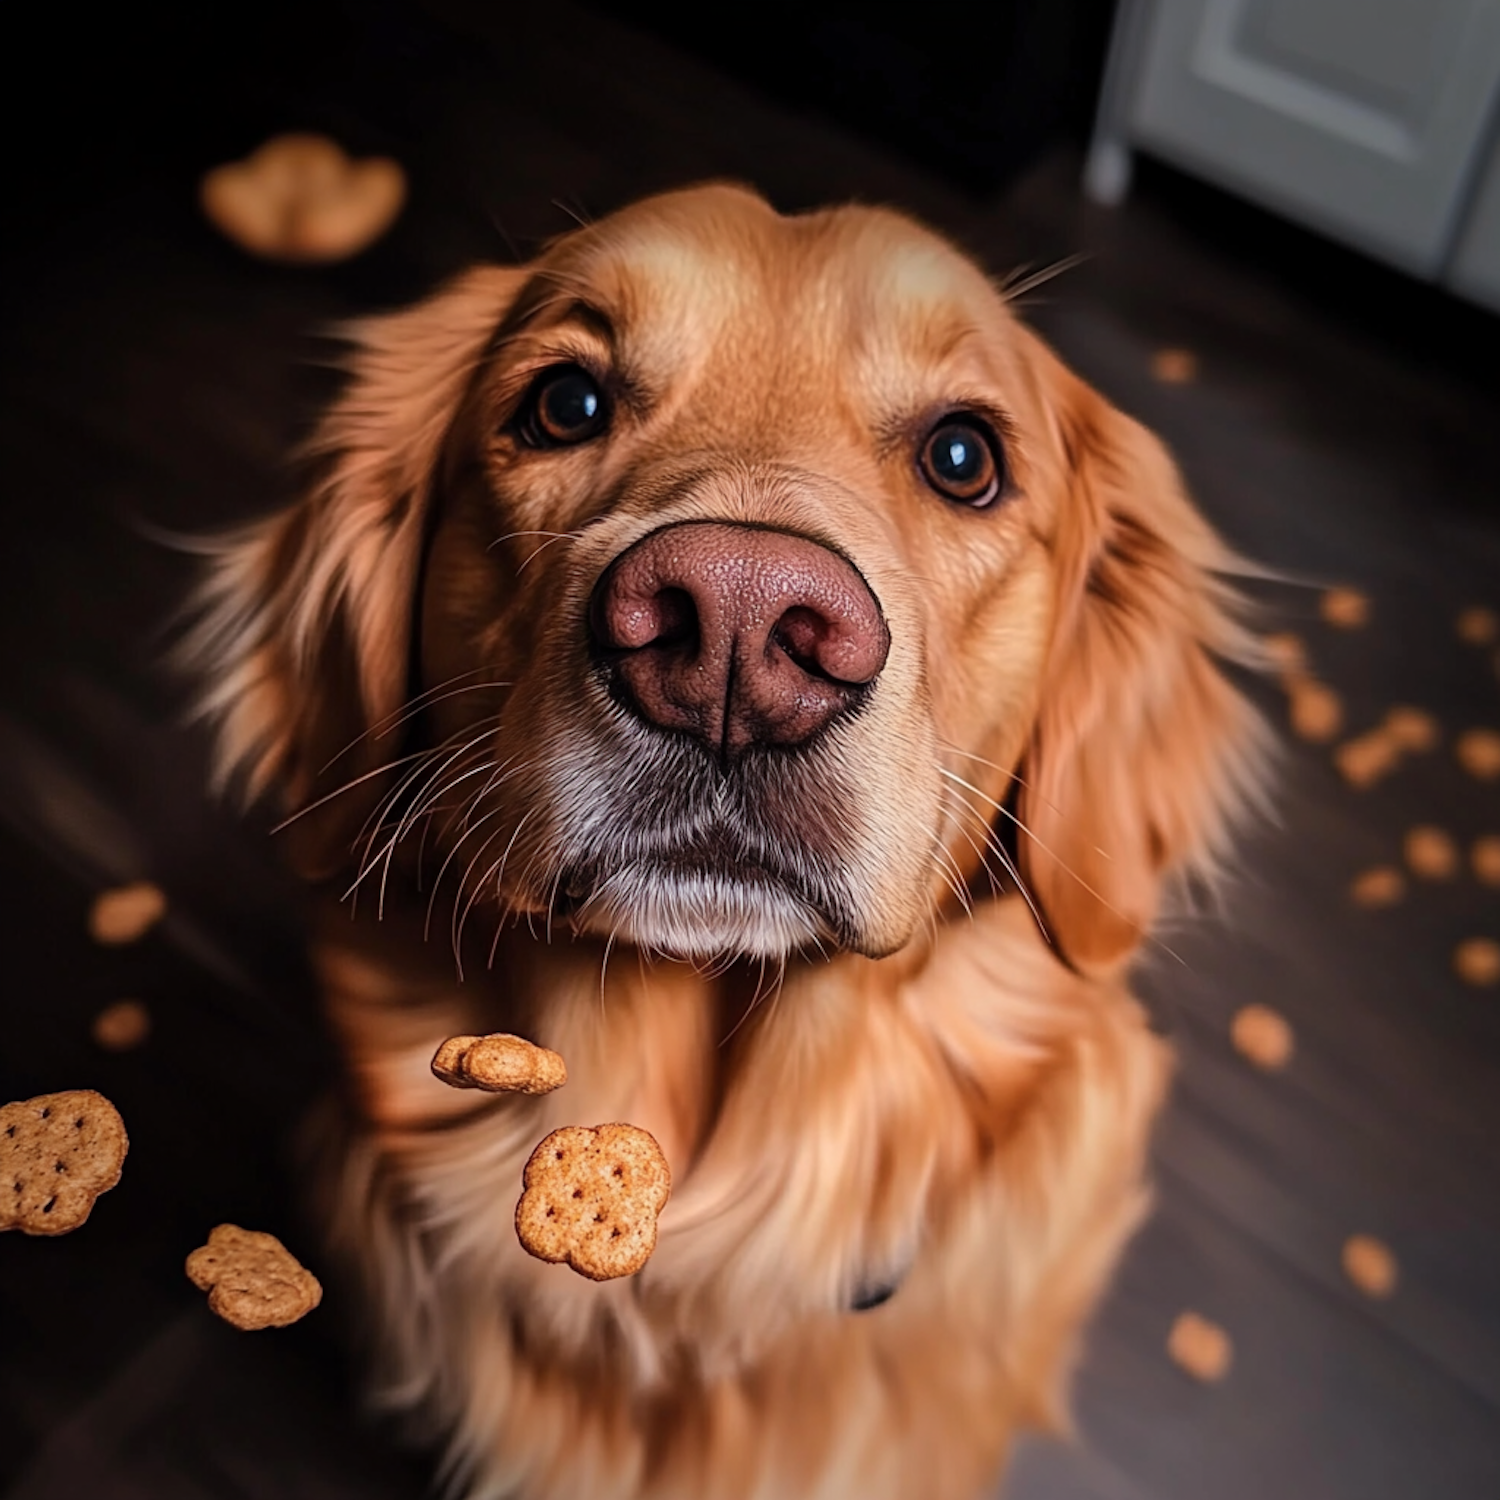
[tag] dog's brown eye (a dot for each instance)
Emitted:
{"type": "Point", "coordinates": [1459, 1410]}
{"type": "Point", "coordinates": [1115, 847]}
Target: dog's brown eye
{"type": "Point", "coordinates": [565, 406]}
{"type": "Point", "coordinates": [959, 460]}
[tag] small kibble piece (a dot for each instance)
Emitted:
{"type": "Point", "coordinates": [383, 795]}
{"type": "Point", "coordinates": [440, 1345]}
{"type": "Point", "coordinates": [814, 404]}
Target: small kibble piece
{"type": "Point", "coordinates": [1363, 761]}
{"type": "Point", "coordinates": [592, 1197]}
{"type": "Point", "coordinates": [1412, 729]}
{"type": "Point", "coordinates": [58, 1152]}
{"type": "Point", "coordinates": [1478, 626]}
{"type": "Point", "coordinates": [1286, 653]}
{"type": "Point", "coordinates": [1485, 859]}
{"type": "Point", "coordinates": [1370, 1265]}
{"type": "Point", "coordinates": [499, 1064]}
{"type": "Point", "coordinates": [1431, 853]}
{"type": "Point", "coordinates": [1200, 1347]}
{"type": "Point", "coordinates": [1479, 753]}
{"type": "Point", "coordinates": [122, 1026]}
{"type": "Point", "coordinates": [1382, 885]}
{"type": "Point", "coordinates": [1175, 366]}
{"type": "Point", "coordinates": [252, 1279]}
{"type": "Point", "coordinates": [1316, 712]}
{"type": "Point", "coordinates": [1262, 1036]}
{"type": "Point", "coordinates": [1477, 961]}
{"type": "Point", "coordinates": [1346, 608]}
{"type": "Point", "coordinates": [126, 914]}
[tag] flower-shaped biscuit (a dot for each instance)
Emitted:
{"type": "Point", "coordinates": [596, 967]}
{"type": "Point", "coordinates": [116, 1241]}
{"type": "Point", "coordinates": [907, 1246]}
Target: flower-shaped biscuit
{"type": "Point", "coordinates": [58, 1152]}
{"type": "Point", "coordinates": [592, 1199]}
{"type": "Point", "coordinates": [300, 198]}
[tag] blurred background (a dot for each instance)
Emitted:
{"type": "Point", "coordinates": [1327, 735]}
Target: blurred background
{"type": "Point", "coordinates": [1286, 215]}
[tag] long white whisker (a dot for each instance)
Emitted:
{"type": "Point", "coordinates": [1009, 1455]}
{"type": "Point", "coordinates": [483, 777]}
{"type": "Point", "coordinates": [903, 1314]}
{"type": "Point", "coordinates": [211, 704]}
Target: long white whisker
{"type": "Point", "coordinates": [348, 786]}
{"type": "Point", "coordinates": [1063, 865]}
{"type": "Point", "coordinates": [452, 854]}
{"type": "Point", "coordinates": [995, 847]}
{"type": "Point", "coordinates": [435, 694]}
{"type": "Point", "coordinates": [456, 931]}
{"type": "Point", "coordinates": [419, 802]}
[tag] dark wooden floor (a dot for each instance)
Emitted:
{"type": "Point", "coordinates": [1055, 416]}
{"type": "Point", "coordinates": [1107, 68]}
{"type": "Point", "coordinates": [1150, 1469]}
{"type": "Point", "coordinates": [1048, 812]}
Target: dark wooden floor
{"type": "Point", "coordinates": [1342, 427]}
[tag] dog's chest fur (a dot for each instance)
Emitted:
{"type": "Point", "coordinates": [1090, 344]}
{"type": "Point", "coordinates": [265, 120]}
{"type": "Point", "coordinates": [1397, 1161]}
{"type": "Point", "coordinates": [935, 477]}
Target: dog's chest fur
{"type": "Point", "coordinates": [837, 1136]}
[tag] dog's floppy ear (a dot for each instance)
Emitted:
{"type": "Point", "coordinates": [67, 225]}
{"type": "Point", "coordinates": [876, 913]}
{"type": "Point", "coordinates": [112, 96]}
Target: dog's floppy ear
{"type": "Point", "coordinates": [1143, 751]}
{"type": "Point", "coordinates": [304, 629]}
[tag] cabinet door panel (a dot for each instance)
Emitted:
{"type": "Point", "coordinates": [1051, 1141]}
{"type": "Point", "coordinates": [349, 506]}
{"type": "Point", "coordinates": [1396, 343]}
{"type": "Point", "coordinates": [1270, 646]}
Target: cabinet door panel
{"type": "Point", "coordinates": [1359, 117]}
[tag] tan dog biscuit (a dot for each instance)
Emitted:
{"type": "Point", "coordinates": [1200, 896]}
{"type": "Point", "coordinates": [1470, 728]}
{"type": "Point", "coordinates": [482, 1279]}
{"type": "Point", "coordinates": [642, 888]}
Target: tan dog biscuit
{"type": "Point", "coordinates": [58, 1152]}
{"type": "Point", "coordinates": [592, 1197]}
{"type": "Point", "coordinates": [1477, 961]}
{"type": "Point", "coordinates": [1317, 713]}
{"type": "Point", "coordinates": [1346, 608]}
{"type": "Point", "coordinates": [1479, 753]}
{"type": "Point", "coordinates": [499, 1064]}
{"type": "Point", "coordinates": [1201, 1348]}
{"type": "Point", "coordinates": [1381, 885]}
{"type": "Point", "coordinates": [1484, 857]}
{"type": "Point", "coordinates": [122, 1026]}
{"type": "Point", "coordinates": [1412, 729]}
{"type": "Point", "coordinates": [126, 914]}
{"type": "Point", "coordinates": [1363, 761]}
{"type": "Point", "coordinates": [300, 198]}
{"type": "Point", "coordinates": [1478, 626]}
{"type": "Point", "coordinates": [252, 1279]}
{"type": "Point", "coordinates": [1263, 1036]}
{"type": "Point", "coordinates": [1370, 1265]}
{"type": "Point", "coordinates": [1431, 853]}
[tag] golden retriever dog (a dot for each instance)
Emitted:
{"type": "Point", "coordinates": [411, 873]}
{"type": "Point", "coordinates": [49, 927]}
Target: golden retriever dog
{"type": "Point", "coordinates": [733, 651]}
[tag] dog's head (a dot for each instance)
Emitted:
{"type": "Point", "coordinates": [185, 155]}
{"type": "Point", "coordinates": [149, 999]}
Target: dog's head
{"type": "Point", "coordinates": [733, 583]}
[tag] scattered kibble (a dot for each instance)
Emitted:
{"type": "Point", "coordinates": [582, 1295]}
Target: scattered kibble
{"type": "Point", "coordinates": [1383, 885]}
{"type": "Point", "coordinates": [1286, 653]}
{"type": "Point", "coordinates": [1370, 1265]}
{"type": "Point", "coordinates": [127, 913]}
{"type": "Point", "coordinates": [1412, 729]}
{"type": "Point", "coordinates": [1478, 626]}
{"type": "Point", "coordinates": [122, 1026]}
{"type": "Point", "coordinates": [1477, 961]}
{"type": "Point", "coordinates": [1346, 608]}
{"type": "Point", "coordinates": [1363, 761]}
{"type": "Point", "coordinates": [1484, 857]}
{"type": "Point", "coordinates": [1479, 753]}
{"type": "Point", "coordinates": [1316, 711]}
{"type": "Point", "coordinates": [1431, 853]}
{"type": "Point", "coordinates": [1175, 366]}
{"type": "Point", "coordinates": [1200, 1347]}
{"type": "Point", "coordinates": [1262, 1036]}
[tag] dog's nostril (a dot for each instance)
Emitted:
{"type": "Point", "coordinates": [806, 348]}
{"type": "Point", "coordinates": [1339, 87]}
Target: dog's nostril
{"type": "Point", "coordinates": [677, 618]}
{"type": "Point", "coordinates": [625, 619]}
{"type": "Point", "coordinates": [798, 633]}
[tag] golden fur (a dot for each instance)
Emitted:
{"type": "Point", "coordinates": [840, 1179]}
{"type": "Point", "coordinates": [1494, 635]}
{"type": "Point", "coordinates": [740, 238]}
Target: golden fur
{"type": "Point", "coordinates": [950, 1086]}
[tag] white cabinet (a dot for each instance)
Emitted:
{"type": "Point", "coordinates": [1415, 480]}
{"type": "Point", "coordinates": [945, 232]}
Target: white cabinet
{"type": "Point", "coordinates": [1369, 120]}
{"type": "Point", "coordinates": [1475, 270]}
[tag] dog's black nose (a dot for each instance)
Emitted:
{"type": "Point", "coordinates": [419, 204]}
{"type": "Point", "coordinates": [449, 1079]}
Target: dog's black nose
{"type": "Point", "coordinates": [873, 1295]}
{"type": "Point", "coordinates": [737, 635]}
